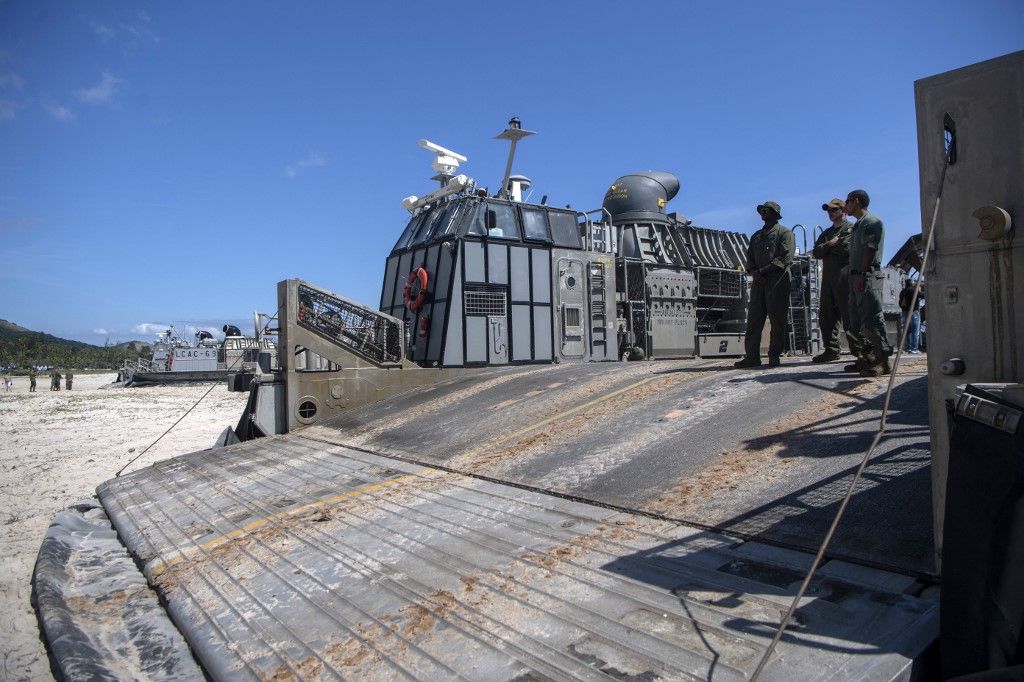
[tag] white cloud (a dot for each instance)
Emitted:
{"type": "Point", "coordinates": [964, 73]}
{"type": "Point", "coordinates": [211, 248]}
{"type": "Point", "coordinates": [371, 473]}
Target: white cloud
{"type": "Point", "coordinates": [100, 331]}
{"type": "Point", "coordinates": [101, 93]}
{"type": "Point", "coordinates": [102, 30]}
{"type": "Point", "coordinates": [312, 160]}
{"type": "Point", "coordinates": [128, 34]}
{"type": "Point", "coordinates": [150, 328]}
{"type": "Point", "coordinates": [192, 329]}
{"type": "Point", "coordinates": [59, 111]}
{"type": "Point", "coordinates": [140, 32]}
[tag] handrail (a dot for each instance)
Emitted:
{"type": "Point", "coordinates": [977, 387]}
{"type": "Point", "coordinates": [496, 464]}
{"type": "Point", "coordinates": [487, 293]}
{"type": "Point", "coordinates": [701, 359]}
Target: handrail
{"type": "Point", "coordinates": [366, 332]}
{"type": "Point", "coordinates": [804, 231]}
{"type": "Point", "coordinates": [610, 244]}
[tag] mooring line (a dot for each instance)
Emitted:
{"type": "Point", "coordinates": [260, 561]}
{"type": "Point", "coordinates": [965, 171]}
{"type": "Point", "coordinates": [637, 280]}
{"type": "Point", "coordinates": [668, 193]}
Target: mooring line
{"type": "Point", "coordinates": [871, 450]}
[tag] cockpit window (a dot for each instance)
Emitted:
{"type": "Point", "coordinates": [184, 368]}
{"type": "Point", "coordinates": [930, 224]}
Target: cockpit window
{"type": "Point", "coordinates": [429, 225]}
{"type": "Point", "coordinates": [423, 231]}
{"type": "Point", "coordinates": [565, 230]}
{"type": "Point", "coordinates": [410, 230]}
{"type": "Point", "coordinates": [446, 220]}
{"type": "Point", "coordinates": [505, 224]}
{"type": "Point", "coordinates": [535, 225]}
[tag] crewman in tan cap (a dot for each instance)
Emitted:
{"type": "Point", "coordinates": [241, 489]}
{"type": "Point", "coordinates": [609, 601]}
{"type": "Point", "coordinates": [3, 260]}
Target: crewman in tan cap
{"type": "Point", "coordinates": [832, 248]}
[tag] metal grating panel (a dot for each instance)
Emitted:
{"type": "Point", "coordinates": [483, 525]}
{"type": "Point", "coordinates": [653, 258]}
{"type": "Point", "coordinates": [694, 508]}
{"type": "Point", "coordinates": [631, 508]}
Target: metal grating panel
{"type": "Point", "coordinates": [366, 332]}
{"type": "Point", "coordinates": [719, 283]}
{"type": "Point", "coordinates": [485, 302]}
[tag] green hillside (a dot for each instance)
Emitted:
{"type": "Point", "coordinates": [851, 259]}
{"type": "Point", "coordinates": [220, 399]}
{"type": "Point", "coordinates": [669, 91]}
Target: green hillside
{"type": "Point", "coordinates": [20, 347]}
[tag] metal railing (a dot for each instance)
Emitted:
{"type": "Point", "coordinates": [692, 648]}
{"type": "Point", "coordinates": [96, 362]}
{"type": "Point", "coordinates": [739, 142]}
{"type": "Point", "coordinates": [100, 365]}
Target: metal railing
{"type": "Point", "coordinates": [719, 283]}
{"type": "Point", "coordinates": [602, 229]}
{"type": "Point", "coordinates": [368, 333]}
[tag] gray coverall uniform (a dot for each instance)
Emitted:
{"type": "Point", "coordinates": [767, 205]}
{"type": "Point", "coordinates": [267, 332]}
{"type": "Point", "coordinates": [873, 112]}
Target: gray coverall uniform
{"type": "Point", "coordinates": [866, 307]}
{"type": "Point", "coordinates": [835, 288]}
{"type": "Point", "coordinates": [769, 295]}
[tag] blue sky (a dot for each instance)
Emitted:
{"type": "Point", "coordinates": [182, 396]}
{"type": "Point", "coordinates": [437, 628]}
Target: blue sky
{"type": "Point", "coordinates": [171, 162]}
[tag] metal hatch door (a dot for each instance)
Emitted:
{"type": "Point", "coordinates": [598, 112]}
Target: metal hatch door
{"type": "Point", "coordinates": [571, 306]}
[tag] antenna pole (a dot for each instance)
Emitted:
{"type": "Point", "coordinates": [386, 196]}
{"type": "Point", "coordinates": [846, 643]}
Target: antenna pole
{"type": "Point", "coordinates": [508, 168]}
{"type": "Point", "coordinates": [513, 134]}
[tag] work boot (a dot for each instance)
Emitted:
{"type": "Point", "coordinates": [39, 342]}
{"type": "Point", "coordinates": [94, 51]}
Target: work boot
{"type": "Point", "coordinates": [861, 364]}
{"type": "Point", "coordinates": [880, 368]}
{"type": "Point", "coordinates": [826, 356]}
{"type": "Point", "coordinates": [774, 361]}
{"type": "Point", "coordinates": [747, 362]}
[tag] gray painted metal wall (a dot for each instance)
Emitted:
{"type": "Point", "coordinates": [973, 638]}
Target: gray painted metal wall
{"type": "Point", "coordinates": [974, 297]}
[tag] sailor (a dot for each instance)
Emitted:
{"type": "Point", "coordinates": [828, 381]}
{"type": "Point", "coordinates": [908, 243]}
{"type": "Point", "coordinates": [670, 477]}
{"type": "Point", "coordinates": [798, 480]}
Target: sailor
{"type": "Point", "coordinates": [832, 248]}
{"type": "Point", "coordinates": [866, 285]}
{"type": "Point", "coordinates": [55, 380]}
{"type": "Point", "coordinates": [32, 373]}
{"type": "Point", "coordinates": [68, 378]}
{"type": "Point", "coordinates": [769, 257]}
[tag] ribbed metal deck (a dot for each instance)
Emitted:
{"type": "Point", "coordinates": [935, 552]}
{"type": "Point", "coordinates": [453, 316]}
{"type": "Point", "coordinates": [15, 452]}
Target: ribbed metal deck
{"type": "Point", "coordinates": [290, 558]}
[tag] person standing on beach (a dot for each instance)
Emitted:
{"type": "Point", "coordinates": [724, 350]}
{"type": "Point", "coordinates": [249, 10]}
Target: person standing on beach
{"type": "Point", "coordinates": [866, 283]}
{"type": "Point", "coordinates": [769, 257]}
{"type": "Point", "coordinates": [32, 379]}
{"type": "Point", "coordinates": [7, 382]}
{"type": "Point", "coordinates": [55, 380]}
{"type": "Point", "coordinates": [68, 378]}
{"type": "Point", "coordinates": [832, 248]}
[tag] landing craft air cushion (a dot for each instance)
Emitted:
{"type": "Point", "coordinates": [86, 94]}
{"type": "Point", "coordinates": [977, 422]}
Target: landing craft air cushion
{"type": "Point", "coordinates": [448, 488]}
{"type": "Point", "coordinates": [478, 280]}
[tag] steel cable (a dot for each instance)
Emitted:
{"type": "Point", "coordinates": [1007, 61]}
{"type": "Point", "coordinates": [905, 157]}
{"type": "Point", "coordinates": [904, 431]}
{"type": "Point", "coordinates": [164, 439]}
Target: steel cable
{"type": "Point", "coordinates": [874, 443]}
{"type": "Point", "coordinates": [189, 410]}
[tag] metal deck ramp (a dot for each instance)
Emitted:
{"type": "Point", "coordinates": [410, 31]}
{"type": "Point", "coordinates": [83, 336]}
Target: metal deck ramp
{"type": "Point", "coordinates": [290, 558]}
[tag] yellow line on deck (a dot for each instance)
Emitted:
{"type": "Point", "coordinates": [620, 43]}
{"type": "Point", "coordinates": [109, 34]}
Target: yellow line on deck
{"type": "Point", "coordinates": [163, 564]}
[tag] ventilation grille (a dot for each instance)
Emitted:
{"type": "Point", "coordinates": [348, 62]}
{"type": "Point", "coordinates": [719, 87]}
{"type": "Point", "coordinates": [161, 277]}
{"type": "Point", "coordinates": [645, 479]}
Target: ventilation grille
{"type": "Point", "coordinates": [719, 283]}
{"type": "Point", "coordinates": [485, 303]}
{"type": "Point", "coordinates": [572, 317]}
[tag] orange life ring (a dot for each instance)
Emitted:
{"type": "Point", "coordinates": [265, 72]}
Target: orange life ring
{"type": "Point", "coordinates": [415, 300]}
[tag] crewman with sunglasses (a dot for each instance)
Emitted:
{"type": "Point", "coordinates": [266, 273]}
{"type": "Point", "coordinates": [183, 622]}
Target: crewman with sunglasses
{"type": "Point", "coordinates": [832, 248]}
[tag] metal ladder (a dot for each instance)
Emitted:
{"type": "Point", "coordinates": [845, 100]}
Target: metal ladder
{"type": "Point", "coordinates": [800, 312]}
{"type": "Point", "coordinates": [814, 341]}
{"type": "Point", "coordinates": [598, 309]}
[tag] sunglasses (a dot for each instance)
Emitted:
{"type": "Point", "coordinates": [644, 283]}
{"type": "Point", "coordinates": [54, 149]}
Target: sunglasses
{"type": "Point", "coordinates": [833, 209]}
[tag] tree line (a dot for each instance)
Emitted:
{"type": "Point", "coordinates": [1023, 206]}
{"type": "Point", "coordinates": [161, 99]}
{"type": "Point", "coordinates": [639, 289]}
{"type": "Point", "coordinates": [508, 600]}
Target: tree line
{"type": "Point", "coordinates": [20, 350]}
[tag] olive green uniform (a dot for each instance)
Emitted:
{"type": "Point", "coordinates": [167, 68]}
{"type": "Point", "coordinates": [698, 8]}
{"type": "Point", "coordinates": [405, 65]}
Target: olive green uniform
{"type": "Point", "coordinates": [769, 294]}
{"type": "Point", "coordinates": [68, 378]}
{"type": "Point", "coordinates": [55, 380]}
{"type": "Point", "coordinates": [835, 288]}
{"type": "Point", "coordinates": [866, 307]}
{"type": "Point", "coordinates": [32, 380]}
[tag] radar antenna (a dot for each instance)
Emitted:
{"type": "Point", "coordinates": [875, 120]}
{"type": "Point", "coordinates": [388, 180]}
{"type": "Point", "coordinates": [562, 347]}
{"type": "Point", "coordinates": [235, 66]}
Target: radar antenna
{"type": "Point", "coordinates": [445, 163]}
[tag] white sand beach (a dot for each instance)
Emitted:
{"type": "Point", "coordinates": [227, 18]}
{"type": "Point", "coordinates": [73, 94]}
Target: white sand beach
{"type": "Point", "coordinates": [55, 448]}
